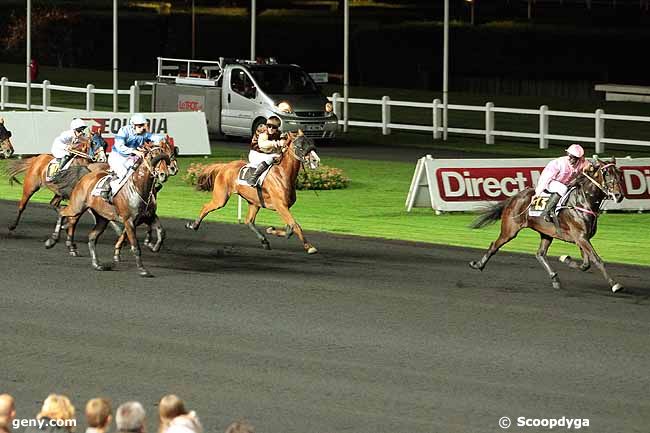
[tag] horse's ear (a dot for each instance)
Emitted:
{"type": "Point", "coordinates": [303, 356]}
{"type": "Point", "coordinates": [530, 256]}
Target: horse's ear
{"type": "Point", "coordinates": [300, 133]}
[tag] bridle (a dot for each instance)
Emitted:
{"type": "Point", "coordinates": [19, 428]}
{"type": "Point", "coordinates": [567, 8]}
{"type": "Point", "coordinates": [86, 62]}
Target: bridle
{"type": "Point", "coordinates": [607, 186]}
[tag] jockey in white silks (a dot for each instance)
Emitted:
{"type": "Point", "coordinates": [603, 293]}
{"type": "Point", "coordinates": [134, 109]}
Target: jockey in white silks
{"type": "Point", "coordinates": [66, 140]}
{"type": "Point", "coordinates": [557, 174]}
{"type": "Point", "coordinates": [267, 145]}
{"type": "Point", "coordinates": [125, 153]}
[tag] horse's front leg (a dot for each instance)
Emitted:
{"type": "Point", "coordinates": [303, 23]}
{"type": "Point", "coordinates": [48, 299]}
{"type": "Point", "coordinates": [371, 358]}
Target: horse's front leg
{"type": "Point", "coordinates": [250, 222]}
{"type": "Point", "coordinates": [118, 246]}
{"type": "Point", "coordinates": [294, 227]}
{"type": "Point", "coordinates": [575, 264]}
{"type": "Point", "coordinates": [588, 249]}
{"type": "Point", "coordinates": [160, 235]}
{"type": "Point", "coordinates": [129, 228]}
{"type": "Point", "coordinates": [544, 244]}
{"type": "Point", "coordinates": [54, 237]}
{"type": "Point", "coordinates": [69, 242]}
{"type": "Point", "coordinates": [96, 232]}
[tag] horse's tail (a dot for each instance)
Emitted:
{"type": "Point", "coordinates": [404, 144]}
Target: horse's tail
{"type": "Point", "coordinates": [205, 179]}
{"type": "Point", "coordinates": [490, 214]}
{"type": "Point", "coordinates": [15, 168]}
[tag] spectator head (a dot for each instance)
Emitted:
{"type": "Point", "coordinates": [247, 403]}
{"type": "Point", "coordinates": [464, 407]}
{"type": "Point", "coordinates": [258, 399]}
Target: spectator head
{"type": "Point", "coordinates": [58, 407]}
{"type": "Point", "coordinates": [169, 408]}
{"type": "Point", "coordinates": [7, 411]}
{"type": "Point", "coordinates": [98, 413]}
{"type": "Point", "coordinates": [241, 426]}
{"type": "Point", "coordinates": [130, 417]}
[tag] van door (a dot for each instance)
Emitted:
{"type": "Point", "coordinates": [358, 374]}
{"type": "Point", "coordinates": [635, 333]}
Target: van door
{"type": "Point", "coordinates": [239, 103]}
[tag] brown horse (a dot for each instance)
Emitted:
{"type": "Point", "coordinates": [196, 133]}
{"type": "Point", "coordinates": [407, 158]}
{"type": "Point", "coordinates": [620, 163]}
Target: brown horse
{"type": "Point", "coordinates": [575, 223]}
{"type": "Point", "coordinates": [278, 192]}
{"type": "Point", "coordinates": [6, 149]}
{"type": "Point", "coordinates": [35, 170]}
{"type": "Point", "coordinates": [133, 201]}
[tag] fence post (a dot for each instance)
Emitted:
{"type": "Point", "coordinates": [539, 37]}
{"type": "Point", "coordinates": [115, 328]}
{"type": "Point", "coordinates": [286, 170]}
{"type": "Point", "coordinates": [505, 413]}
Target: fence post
{"type": "Point", "coordinates": [133, 99]}
{"type": "Point", "coordinates": [543, 127]}
{"type": "Point", "coordinates": [489, 123]}
{"type": "Point", "coordinates": [436, 119]}
{"type": "Point", "coordinates": [90, 97]}
{"type": "Point", "coordinates": [4, 92]}
{"type": "Point", "coordinates": [600, 131]}
{"type": "Point", "coordinates": [385, 115]}
{"type": "Point", "coordinates": [336, 104]}
{"type": "Point", "coordinates": [46, 95]}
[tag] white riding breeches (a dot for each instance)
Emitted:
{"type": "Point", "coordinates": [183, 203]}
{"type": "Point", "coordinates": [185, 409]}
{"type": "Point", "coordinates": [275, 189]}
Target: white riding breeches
{"type": "Point", "coordinates": [256, 158]}
{"type": "Point", "coordinates": [557, 187]}
{"type": "Point", "coordinates": [120, 164]}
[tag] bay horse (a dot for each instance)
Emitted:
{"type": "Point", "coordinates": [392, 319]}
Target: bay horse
{"type": "Point", "coordinates": [575, 223]}
{"type": "Point", "coordinates": [133, 201]}
{"type": "Point", "coordinates": [35, 170]}
{"type": "Point", "coordinates": [6, 149]}
{"type": "Point", "coordinates": [278, 191]}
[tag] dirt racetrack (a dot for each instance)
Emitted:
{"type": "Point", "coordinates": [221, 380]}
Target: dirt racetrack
{"type": "Point", "coordinates": [368, 336]}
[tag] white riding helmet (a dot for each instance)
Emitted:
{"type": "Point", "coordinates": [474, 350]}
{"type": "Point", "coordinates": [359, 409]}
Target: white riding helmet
{"type": "Point", "coordinates": [576, 150]}
{"type": "Point", "coordinates": [138, 119]}
{"type": "Point", "coordinates": [77, 123]}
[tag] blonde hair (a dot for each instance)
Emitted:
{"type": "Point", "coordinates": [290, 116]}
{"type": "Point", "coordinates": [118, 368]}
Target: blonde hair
{"type": "Point", "coordinates": [98, 412]}
{"type": "Point", "coordinates": [57, 407]}
{"type": "Point", "coordinates": [170, 407]}
{"type": "Point", "coordinates": [240, 426]}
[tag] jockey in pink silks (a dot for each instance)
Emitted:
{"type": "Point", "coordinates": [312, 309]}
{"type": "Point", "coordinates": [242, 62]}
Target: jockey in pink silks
{"type": "Point", "coordinates": [557, 174]}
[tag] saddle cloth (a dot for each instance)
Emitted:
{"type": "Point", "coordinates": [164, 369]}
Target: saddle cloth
{"type": "Point", "coordinates": [538, 204]}
{"type": "Point", "coordinates": [115, 186]}
{"type": "Point", "coordinates": [241, 177]}
{"type": "Point", "coordinates": [53, 168]}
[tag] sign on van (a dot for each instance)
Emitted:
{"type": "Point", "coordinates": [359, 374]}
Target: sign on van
{"type": "Point", "coordinates": [319, 77]}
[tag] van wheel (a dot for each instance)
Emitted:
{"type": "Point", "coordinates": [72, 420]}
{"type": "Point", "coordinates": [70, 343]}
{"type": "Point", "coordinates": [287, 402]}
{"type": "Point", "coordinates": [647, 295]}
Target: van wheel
{"type": "Point", "coordinates": [256, 124]}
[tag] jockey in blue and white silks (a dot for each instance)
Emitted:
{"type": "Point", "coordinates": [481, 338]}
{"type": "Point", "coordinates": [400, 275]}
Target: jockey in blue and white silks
{"type": "Point", "coordinates": [125, 151]}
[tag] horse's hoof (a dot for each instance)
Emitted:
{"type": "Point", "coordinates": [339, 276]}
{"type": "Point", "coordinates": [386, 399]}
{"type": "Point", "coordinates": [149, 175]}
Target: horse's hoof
{"type": "Point", "coordinates": [190, 226]}
{"type": "Point", "coordinates": [270, 230]}
{"type": "Point", "coordinates": [116, 259]}
{"type": "Point", "coordinates": [266, 245]}
{"type": "Point", "coordinates": [617, 287]}
{"type": "Point", "coordinates": [145, 273]}
{"type": "Point", "coordinates": [565, 259]}
{"type": "Point", "coordinates": [312, 250]}
{"type": "Point", "coordinates": [156, 249]}
{"type": "Point", "coordinates": [475, 265]}
{"type": "Point", "coordinates": [557, 285]}
{"type": "Point", "coordinates": [98, 267]}
{"type": "Point", "coordinates": [12, 227]}
{"type": "Point", "coordinates": [74, 253]}
{"type": "Point", "coordinates": [49, 243]}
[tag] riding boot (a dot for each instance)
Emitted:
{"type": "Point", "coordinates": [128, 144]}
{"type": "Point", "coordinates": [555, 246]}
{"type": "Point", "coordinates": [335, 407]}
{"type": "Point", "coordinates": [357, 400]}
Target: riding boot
{"type": "Point", "coordinates": [62, 162]}
{"type": "Point", "coordinates": [105, 192]}
{"type": "Point", "coordinates": [549, 211]}
{"type": "Point", "coordinates": [252, 179]}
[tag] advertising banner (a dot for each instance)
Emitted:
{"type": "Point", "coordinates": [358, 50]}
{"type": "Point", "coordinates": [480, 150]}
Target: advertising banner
{"type": "Point", "coordinates": [33, 131]}
{"type": "Point", "coordinates": [470, 184]}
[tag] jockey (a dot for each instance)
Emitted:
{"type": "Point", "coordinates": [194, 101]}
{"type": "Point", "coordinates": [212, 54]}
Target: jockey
{"type": "Point", "coordinates": [125, 151]}
{"type": "Point", "coordinates": [267, 144]}
{"type": "Point", "coordinates": [66, 141]}
{"type": "Point", "coordinates": [557, 174]}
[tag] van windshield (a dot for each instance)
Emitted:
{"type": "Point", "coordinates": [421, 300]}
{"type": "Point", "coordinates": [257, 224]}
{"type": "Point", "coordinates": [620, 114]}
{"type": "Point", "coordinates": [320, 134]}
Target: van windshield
{"type": "Point", "coordinates": [284, 80]}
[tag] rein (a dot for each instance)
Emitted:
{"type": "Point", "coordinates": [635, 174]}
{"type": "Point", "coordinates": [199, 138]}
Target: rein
{"type": "Point", "coordinates": [599, 185]}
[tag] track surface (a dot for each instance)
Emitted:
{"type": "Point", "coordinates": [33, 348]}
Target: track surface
{"type": "Point", "coordinates": [367, 336]}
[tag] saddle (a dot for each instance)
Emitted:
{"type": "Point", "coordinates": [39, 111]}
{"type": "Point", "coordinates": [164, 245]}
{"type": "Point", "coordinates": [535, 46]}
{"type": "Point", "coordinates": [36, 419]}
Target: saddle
{"type": "Point", "coordinates": [244, 173]}
{"type": "Point", "coordinates": [538, 204]}
{"type": "Point", "coordinates": [114, 184]}
{"type": "Point", "coordinates": [53, 167]}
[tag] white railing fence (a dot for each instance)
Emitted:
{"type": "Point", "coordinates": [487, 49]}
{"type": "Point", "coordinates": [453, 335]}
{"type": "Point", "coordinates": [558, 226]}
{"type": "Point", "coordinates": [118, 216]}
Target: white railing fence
{"type": "Point", "coordinates": [90, 91]}
{"type": "Point", "coordinates": [435, 108]}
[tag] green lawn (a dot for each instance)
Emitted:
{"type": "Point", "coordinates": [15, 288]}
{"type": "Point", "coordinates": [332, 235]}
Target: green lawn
{"type": "Point", "coordinates": [373, 205]}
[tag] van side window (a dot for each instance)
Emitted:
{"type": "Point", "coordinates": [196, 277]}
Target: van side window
{"type": "Point", "coordinates": [241, 84]}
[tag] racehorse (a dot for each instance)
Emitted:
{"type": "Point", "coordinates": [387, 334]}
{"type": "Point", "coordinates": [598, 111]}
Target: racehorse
{"type": "Point", "coordinates": [35, 169]}
{"type": "Point", "coordinates": [278, 191]}
{"type": "Point", "coordinates": [133, 201]}
{"type": "Point", "coordinates": [149, 217]}
{"type": "Point", "coordinates": [575, 223]}
{"type": "Point", "coordinates": [6, 149]}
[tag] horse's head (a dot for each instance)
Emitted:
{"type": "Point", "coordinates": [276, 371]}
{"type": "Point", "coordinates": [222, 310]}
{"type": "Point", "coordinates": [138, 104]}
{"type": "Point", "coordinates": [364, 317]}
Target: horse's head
{"type": "Point", "coordinates": [158, 162]}
{"type": "Point", "coordinates": [303, 148]}
{"type": "Point", "coordinates": [6, 149]}
{"type": "Point", "coordinates": [172, 152]}
{"type": "Point", "coordinates": [98, 147]}
{"type": "Point", "coordinates": [608, 177]}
